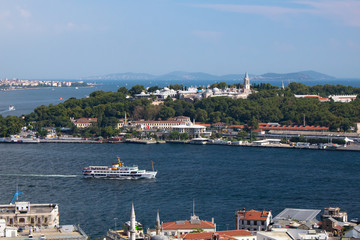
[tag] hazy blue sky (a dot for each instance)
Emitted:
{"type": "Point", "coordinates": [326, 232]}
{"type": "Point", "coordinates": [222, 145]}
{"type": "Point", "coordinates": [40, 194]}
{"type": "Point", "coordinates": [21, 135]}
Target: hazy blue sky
{"type": "Point", "coordinates": [78, 38]}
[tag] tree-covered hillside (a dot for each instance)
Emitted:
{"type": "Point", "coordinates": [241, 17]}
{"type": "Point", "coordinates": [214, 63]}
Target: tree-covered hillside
{"type": "Point", "coordinates": [268, 104]}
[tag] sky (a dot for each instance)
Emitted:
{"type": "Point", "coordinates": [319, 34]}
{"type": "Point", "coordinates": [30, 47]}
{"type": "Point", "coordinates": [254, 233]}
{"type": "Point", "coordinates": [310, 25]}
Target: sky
{"type": "Point", "coordinates": [71, 39]}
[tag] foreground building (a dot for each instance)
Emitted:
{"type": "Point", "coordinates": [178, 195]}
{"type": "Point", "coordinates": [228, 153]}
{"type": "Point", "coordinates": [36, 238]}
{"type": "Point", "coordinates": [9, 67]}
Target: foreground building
{"type": "Point", "coordinates": [178, 228]}
{"type": "Point", "coordinates": [297, 218]}
{"type": "Point", "coordinates": [23, 220]}
{"type": "Point", "coordinates": [252, 220]}
{"type": "Point", "coordinates": [24, 214]}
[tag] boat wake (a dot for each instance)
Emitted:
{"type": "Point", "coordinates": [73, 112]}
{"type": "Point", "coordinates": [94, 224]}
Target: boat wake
{"type": "Point", "coordinates": [39, 175]}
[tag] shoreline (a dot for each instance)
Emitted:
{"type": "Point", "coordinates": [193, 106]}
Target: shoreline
{"type": "Point", "coordinates": [19, 89]}
{"type": "Point", "coordinates": [352, 147]}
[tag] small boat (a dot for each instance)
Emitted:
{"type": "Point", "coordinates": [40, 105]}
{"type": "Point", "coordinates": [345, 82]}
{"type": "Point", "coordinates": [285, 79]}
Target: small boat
{"type": "Point", "coordinates": [117, 171]}
{"type": "Point", "coordinates": [11, 108]}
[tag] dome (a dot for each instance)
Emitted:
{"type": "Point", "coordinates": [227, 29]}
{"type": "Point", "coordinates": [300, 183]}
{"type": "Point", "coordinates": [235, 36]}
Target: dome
{"type": "Point", "coordinates": [216, 90]}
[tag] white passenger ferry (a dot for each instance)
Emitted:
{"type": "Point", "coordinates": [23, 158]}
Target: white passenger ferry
{"type": "Point", "coordinates": [117, 171]}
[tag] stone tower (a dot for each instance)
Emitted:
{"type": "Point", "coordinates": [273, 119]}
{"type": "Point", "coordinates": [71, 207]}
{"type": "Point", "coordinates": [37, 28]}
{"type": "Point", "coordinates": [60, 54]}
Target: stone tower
{"type": "Point", "coordinates": [246, 83]}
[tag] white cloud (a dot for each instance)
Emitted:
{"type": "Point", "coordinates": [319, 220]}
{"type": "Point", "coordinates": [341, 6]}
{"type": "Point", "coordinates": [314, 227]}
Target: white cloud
{"type": "Point", "coordinates": [269, 11]}
{"type": "Point", "coordinates": [4, 15]}
{"type": "Point", "coordinates": [347, 11]}
{"type": "Point", "coordinates": [24, 13]}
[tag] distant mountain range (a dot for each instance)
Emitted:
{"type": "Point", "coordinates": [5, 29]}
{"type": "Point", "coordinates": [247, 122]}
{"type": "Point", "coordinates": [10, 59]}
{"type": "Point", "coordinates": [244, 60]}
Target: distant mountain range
{"type": "Point", "coordinates": [179, 75]}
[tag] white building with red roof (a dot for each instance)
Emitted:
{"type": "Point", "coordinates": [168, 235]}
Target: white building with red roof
{"type": "Point", "coordinates": [343, 98]}
{"type": "Point", "coordinates": [178, 228]}
{"type": "Point", "coordinates": [167, 124]}
{"type": "Point", "coordinates": [253, 220]}
{"type": "Point", "coordinates": [84, 122]}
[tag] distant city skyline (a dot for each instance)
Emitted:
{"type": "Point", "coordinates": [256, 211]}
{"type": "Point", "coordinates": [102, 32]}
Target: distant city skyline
{"type": "Point", "coordinates": [74, 39]}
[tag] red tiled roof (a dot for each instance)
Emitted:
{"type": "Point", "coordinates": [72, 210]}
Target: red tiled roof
{"type": "Point", "coordinates": [203, 235]}
{"type": "Point", "coordinates": [219, 124]}
{"type": "Point", "coordinates": [237, 126]}
{"type": "Point", "coordinates": [253, 215]}
{"type": "Point", "coordinates": [235, 233]}
{"type": "Point", "coordinates": [86, 120]}
{"type": "Point", "coordinates": [187, 225]}
{"type": "Point", "coordinates": [222, 234]}
{"type": "Point", "coordinates": [266, 126]}
{"type": "Point", "coordinates": [168, 121]}
{"type": "Point", "coordinates": [350, 97]}
{"type": "Point", "coordinates": [203, 124]}
{"type": "Point", "coordinates": [338, 227]}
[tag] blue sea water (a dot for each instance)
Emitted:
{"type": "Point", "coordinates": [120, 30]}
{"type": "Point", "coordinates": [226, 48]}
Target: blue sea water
{"type": "Point", "coordinates": [221, 180]}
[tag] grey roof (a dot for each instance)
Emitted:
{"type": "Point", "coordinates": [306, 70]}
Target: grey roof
{"type": "Point", "coordinates": [298, 214]}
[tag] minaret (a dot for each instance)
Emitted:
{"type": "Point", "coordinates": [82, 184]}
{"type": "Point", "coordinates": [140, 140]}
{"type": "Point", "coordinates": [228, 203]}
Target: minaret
{"type": "Point", "coordinates": [282, 85]}
{"type": "Point", "coordinates": [194, 219]}
{"type": "Point", "coordinates": [132, 223]}
{"type": "Point", "coordinates": [125, 122]}
{"type": "Point", "coordinates": [246, 83]}
{"type": "Point", "coordinates": [158, 224]}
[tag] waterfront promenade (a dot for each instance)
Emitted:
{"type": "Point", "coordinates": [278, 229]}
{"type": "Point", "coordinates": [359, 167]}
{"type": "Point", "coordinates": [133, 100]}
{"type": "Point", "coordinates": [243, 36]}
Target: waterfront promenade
{"type": "Point", "coordinates": [349, 147]}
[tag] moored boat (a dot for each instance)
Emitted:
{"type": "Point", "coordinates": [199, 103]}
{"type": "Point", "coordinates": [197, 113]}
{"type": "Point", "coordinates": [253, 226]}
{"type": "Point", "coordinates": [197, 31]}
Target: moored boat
{"type": "Point", "coordinates": [117, 171]}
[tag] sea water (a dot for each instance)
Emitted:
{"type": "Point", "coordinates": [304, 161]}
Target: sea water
{"type": "Point", "coordinates": [220, 179]}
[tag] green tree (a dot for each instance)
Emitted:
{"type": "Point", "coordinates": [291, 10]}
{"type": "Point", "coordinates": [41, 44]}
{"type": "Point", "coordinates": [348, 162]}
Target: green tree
{"type": "Point", "coordinates": [42, 133]}
{"type": "Point", "coordinates": [215, 117]}
{"type": "Point", "coordinates": [184, 136]}
{"type": "Point", "coordinates": [109, 131]}
{"type": "Point", "coordinates": [166, 112]}
{"type": "Point", "coordinates": [242, 135]}
{"type": "Point", "coordinates": [174, 135]}
{"type": "Point", "coordinates": [123, 90]}
{"type": "Point", "coordinates": [136, 89]}
{"type": "Point", "coordinates": [201, 115]}
{"type": "Point", "coordinates": [153, 89]}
